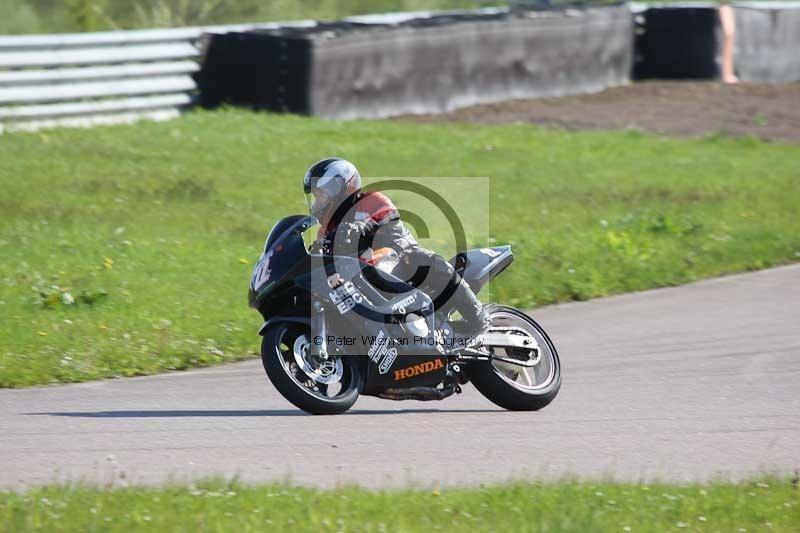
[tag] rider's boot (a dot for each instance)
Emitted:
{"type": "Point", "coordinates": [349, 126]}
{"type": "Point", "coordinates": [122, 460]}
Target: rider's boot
{"type": "Point", "coordinates": [475, 319]}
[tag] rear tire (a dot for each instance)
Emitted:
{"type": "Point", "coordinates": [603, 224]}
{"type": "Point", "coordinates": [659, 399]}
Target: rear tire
{"type": "Point", "coordinates": [499, 388]}
{"type": "Point", "coordinates": [277, 355]}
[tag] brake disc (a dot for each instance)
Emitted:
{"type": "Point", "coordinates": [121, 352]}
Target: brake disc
{"type": "Point", "coordinates": [326, 371]}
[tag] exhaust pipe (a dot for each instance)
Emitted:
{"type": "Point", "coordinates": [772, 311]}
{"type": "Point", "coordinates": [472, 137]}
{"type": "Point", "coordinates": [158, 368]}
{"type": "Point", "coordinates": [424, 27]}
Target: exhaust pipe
{"type": "Point", "coordinates": [424, 394]}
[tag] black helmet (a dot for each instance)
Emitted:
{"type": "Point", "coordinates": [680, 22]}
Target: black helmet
{"type": "Point", "coordinates": [327, 183]}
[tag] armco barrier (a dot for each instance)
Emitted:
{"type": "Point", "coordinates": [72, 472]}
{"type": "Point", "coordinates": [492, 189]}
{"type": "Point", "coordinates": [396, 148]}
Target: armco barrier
{"type": "Point", "coordinates": [100, 78]}
{"type": "Point", "coordinates": [423, 65]}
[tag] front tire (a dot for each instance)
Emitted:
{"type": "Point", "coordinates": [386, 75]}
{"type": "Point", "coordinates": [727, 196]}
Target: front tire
{"type": "Point", "coordinates": [329, 388]}
{"type": "Point", "coordinates": [511, 386]}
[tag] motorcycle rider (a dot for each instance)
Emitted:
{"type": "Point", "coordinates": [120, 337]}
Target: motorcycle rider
{"type": "Point", "coordinates": [347, 213]}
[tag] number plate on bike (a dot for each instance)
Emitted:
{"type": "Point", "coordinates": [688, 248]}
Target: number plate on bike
{"type": "Point", "coordinates": [261, 272]}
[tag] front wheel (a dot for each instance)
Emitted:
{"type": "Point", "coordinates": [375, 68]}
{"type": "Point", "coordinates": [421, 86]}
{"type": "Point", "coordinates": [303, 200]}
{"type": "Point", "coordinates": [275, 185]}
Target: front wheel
{"type": "Point", "coordinates": [315, 385]}
{"type": "Point", "coordinates": [513, 386]}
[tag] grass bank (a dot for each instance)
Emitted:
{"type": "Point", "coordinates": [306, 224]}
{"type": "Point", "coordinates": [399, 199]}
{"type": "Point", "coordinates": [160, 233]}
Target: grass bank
{"type": "Point", "coordinates": [34, 16]}
{"type": "Point", "coordinates": [768, 505]}
{"type": "Point", "coordinates": [127, 250]}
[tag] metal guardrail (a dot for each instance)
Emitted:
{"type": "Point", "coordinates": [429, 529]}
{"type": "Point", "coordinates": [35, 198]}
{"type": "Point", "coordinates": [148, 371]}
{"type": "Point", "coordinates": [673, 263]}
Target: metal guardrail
{"type": "Point", "coordinates": [102, 78]}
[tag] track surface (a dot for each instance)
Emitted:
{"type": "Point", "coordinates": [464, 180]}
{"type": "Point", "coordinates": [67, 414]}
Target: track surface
{"type": "Point", "coordinates": [679, 384]}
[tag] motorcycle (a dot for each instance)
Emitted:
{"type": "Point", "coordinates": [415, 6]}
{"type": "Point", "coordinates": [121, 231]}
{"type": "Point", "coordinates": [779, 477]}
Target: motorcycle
{"type": "Point", "coordinates": [337, 327]}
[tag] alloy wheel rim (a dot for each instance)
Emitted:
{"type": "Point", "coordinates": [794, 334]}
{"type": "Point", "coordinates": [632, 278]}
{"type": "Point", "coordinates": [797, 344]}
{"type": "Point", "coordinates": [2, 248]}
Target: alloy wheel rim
{"type": "Point", "coordinates": [533, 378]}
{"type": "Point", "coordinates": [296, 362]}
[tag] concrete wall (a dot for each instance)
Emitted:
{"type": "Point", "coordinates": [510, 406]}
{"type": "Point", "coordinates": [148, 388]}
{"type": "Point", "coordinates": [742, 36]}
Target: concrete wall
{"type": "Point", "coordinates": [439, 67]}
{"type": "Point", "coordinates": [424, 65]}
{"type": "Point", "coordinates": [767, 43]}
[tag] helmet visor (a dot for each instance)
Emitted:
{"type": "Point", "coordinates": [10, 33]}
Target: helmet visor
{"type": "Point", "coordinates": [319, 202]}
{"type": "Point", "coordinates": [322, 193]}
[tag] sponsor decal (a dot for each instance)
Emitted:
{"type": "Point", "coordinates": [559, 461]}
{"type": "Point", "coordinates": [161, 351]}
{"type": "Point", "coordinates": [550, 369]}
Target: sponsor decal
{"type": "Point", "coordinates": [490, 252]}
{"type": "Point", "coordinates": [401, 306]}
{"type": "Point", "coordinates": [381, 340]}
{"type": "Point", "coordinates": [380, 353]}
{"type": "Point", "coordinates": [388, 361]}
{"type": "Point", "coordinates": [346, 297]}
{"type": "Point", "coordinates": [262, 271]}
{"type": "Point", "coordinates": [416, 370]}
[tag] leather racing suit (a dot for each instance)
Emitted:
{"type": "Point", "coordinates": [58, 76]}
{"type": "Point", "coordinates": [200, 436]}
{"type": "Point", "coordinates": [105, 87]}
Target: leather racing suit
{"type": "Point", "coordinates": [371, 220]}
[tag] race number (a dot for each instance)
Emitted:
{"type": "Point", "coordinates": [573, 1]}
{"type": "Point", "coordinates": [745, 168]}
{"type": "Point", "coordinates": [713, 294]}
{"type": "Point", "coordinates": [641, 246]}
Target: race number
{"type": "Point", "coordinates": [261, 271]}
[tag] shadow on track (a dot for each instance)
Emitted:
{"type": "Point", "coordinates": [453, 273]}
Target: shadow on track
{"type": "Point", "coordinates": [246, 413]}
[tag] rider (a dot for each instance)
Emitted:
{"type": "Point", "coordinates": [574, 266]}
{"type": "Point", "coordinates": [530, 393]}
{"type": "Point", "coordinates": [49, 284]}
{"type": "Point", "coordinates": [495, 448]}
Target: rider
{"type": "Point", "coordinates": [370, 219]}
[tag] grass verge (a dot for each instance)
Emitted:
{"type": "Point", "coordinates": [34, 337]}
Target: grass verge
{"type": "Point", "coordinates": [127, 250]}
{"type": "Point", "coordinates": [30, 16]}
{"type": "Point", "coordinates": [768, 505]}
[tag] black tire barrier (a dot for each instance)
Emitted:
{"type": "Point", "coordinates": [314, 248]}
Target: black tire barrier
{"type": "Point", "coordinates": [258, 70]}
{"type": "Point", "coordinates": [678, 43]}
{"type": "Point", "coordinates": [349, 70]}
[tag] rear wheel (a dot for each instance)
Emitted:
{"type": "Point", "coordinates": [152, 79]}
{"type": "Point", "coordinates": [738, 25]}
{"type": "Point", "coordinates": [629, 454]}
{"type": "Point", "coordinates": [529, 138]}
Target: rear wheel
{"type": "Point", "coordinates": [514, 386]}
{"type": "Point", "coordinates": [318, 386]}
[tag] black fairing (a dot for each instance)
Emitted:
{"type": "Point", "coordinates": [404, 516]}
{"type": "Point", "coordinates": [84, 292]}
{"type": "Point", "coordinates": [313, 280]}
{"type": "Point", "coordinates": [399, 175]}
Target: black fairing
{"type": "Point", "coordinates": [287, 258]}
{"type": "Point", "coordinates": [478, 267]}
{"type": "Point", "coordinates": [294, 225]}
{"type": "Point", "coordinates": [381, 314]}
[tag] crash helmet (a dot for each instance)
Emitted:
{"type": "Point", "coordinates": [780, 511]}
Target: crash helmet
{"type": "Point", "coordinates": [327, 184]}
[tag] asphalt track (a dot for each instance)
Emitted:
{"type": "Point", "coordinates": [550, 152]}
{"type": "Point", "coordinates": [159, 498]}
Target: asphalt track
{"type": "Point", "coordinates": [691, 383]}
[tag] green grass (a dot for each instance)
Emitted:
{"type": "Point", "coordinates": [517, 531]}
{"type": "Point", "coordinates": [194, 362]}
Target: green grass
{"type": "Point", "coordinates": [34, 16]}
{"type": "Point", "coordinates": [769, 505]}
{"type": "Point", "coordinates": [24, 16]}
{"type": "Point", "coordinates": [153, 229]}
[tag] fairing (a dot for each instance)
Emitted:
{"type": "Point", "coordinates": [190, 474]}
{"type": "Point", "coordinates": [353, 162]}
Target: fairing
{"type": "Point", "coordinates": [479, 267]}
{"type": "Point", "coordinates": [284, 253]}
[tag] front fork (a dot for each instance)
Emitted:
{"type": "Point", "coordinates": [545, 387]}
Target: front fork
{"type": "Point", "coordinates": [319, 331]}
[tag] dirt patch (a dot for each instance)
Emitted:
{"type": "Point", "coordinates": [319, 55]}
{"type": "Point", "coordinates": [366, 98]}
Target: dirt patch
{"type": "Point", "coordinates": [683, 109]}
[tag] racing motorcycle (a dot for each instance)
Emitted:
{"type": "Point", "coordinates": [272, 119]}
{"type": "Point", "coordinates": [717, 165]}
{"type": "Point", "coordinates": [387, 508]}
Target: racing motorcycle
{"type": "Point", "coordinates": [337, 327]}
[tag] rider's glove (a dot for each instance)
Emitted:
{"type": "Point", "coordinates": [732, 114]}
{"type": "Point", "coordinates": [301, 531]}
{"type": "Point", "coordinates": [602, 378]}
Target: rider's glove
{"type": "Point", "coordinates": [349, 231]}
